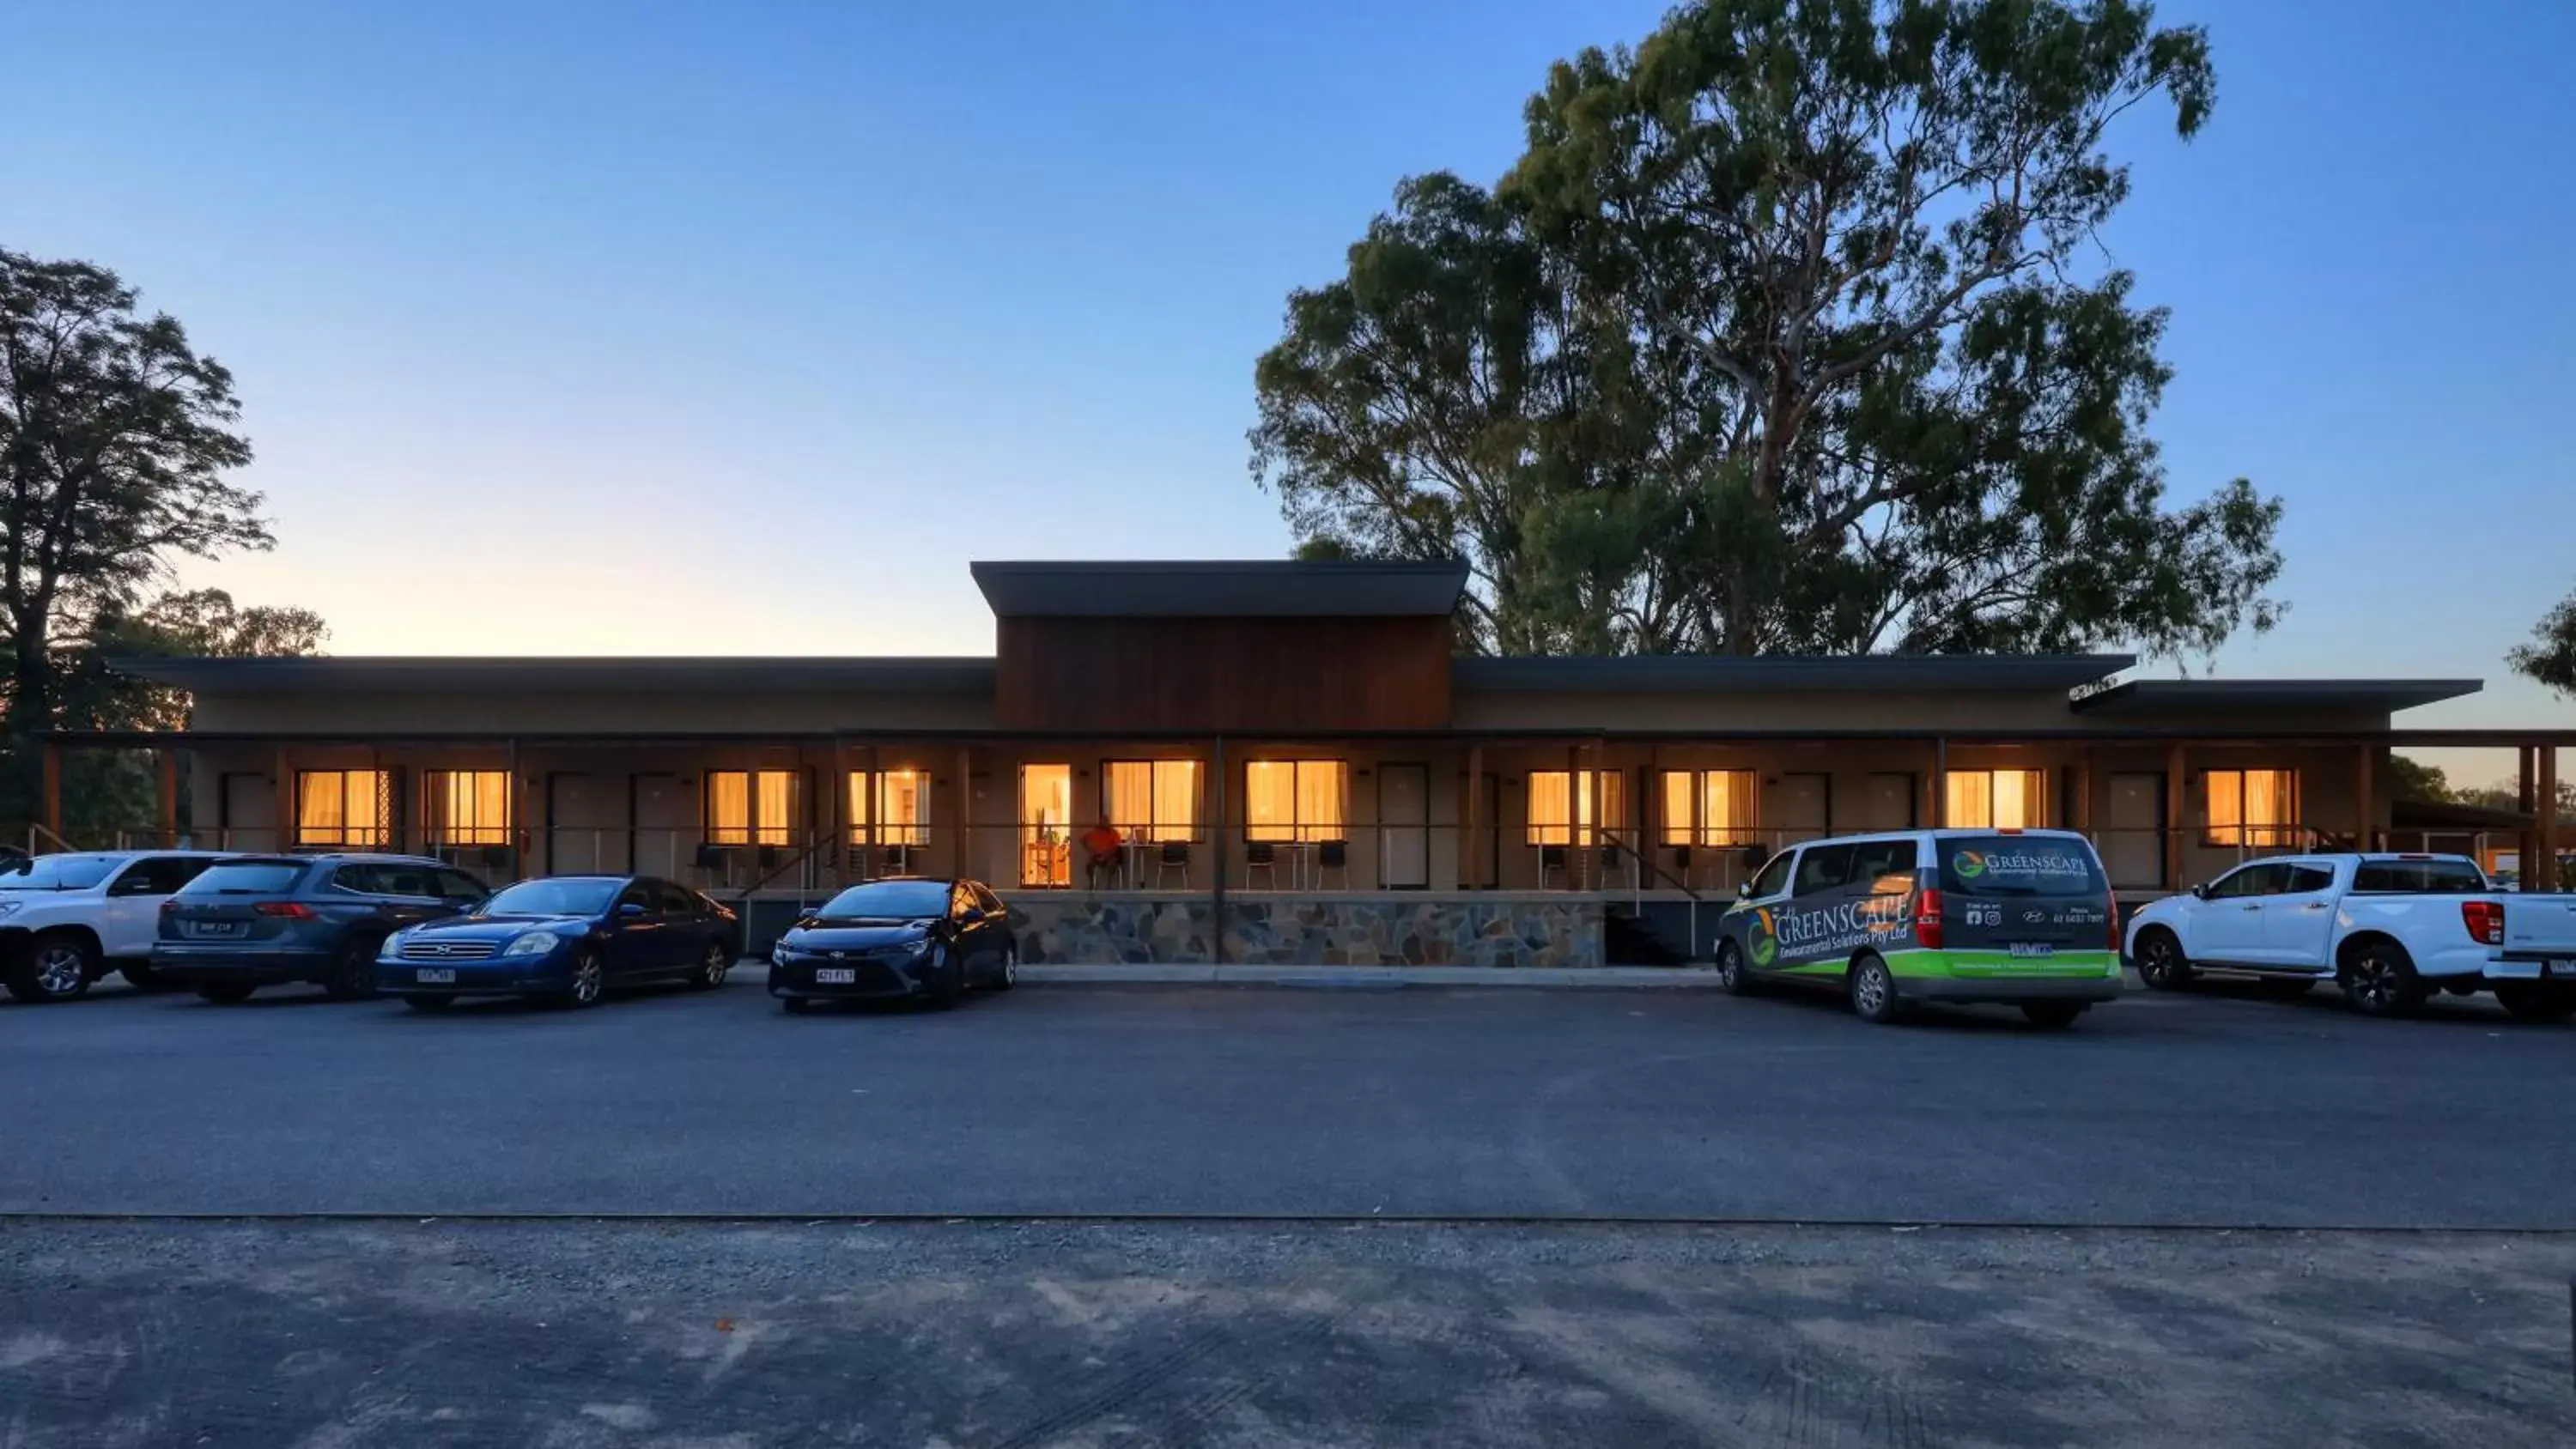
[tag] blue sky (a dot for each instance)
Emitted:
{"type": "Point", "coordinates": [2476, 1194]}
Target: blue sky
{"type": "Point", "coordinates": [698, 328]}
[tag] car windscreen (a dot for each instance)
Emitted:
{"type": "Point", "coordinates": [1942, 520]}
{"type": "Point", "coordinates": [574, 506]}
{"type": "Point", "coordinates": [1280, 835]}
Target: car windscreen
{"type": "Point", "coordinates": [889, 900]}
{"type": "Point", "coordinates": [2018, 865]}
{"type": "Point", "coordinates": [551, 898]}
{"type": "Point", "coordinates": [246, 878]}
{"type": "Point", "coordinates": [2418, 877]}
{"type": "Point", "coordinates": [57, 873]}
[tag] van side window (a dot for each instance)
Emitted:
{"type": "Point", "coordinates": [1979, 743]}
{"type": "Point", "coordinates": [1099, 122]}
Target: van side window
{"type": "Point", "coordinates": [1885, 866]}
{"type": "Point", "coordinates": [1774, 878]}
{"type": "Point", "coordinates": [1824, 868]}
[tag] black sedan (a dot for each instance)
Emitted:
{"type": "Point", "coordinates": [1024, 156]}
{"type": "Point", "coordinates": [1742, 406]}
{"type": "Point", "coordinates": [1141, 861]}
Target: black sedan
{"type": "Point", "coordinates": [904, 937]}
{"type": "Point", "coordinates": [567, 938]}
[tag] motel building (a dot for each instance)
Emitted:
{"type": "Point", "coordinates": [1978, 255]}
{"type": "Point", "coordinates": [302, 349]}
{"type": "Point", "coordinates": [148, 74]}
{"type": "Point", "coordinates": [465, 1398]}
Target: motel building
{"type": "Point", "coordinates": [1297, 768]}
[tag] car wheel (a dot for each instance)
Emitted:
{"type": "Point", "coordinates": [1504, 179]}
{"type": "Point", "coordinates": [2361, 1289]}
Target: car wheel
{"type": "Point", "coordinates": [1873, 991]}
{"type": "Point", "coordinates": [59, 965]}
{"type": "Point", "coordinates": [353, 971]}
{"type": "Point", "coordinates": [589, 981]}
{"type": "Point", "coordinates": [227, 993]}
{"type": "Point", "coordinates": [2052, 1014]}
{"type": "Point", "coordinates": [2378, 980]}
{"type": "Point", "coordinates": [432, 1004]}
{"type": "Point", "coordinates": [1009, 975]}
{"type": "Point", "coordinates": [2160, 960]}
{"type": "Point", "coordinates": [1734, 977]}
{"type": "Point", "coordinates": [795, 1005]}
{"type": "Point", "coordinates": [2535, 1000]}
{"type": "Point", "coordinates": [712, 967]}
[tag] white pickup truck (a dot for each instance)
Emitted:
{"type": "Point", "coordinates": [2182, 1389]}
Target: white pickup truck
{"type": "Point", "coordinates": [2390, 929]}
{"type": "Point", "coordinates": [67, 920]}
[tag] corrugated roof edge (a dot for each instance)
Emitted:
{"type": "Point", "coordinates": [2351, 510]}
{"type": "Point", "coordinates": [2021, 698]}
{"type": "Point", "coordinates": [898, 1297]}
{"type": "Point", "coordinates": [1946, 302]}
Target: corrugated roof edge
{"type": "Point", "coordinates": [1695, 673]}
{"type": "Point", "coordinates": [312, 673]}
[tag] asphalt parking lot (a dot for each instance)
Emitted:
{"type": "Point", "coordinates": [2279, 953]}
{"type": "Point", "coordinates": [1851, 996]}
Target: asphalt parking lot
{"type": "Point", "coordinates": [1230, 1102]}
{"type": "Point", "coordinates": [995, 1335]}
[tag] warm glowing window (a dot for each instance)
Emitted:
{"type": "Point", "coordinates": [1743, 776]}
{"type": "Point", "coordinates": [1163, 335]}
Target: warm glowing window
{"type": "Point", "coordinates": [344, 807]}
{"type": "Point", "coordinates": [469, 807]}
{"type": "Point", "coordinates": [1998, 799]}
{"type": "Point", "coordinates": [1046, 825]}
{"type": "Point", "coordinates": [1561, 805]}
{"type": "Point", "coordinates": [2253, 807]}
{"type": "Point", "coordinates": [748, 807]}
{"type": "Point", "coordinates": [1708, 807]}
{"type": "Point", "coordinates": [896, 803]}
{"type": "Point", "coordinates": [1151, 799]}
{"type": "Point", "coordinates": [1295, 800]}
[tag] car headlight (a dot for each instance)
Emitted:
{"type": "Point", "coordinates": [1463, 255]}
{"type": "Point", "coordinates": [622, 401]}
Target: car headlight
{"type": "Point", "coordinates": [917, 948]}
{"type": "Point", "coordinates": [10, 908]}
{"type": "Point", "coordinates": [535, 943]}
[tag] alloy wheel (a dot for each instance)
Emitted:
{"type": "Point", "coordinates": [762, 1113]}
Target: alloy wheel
{"type": "Point", "coordinates": [587, 978]}
{"type": "Point", "coordinates": [2373, 983]}
{"type": "Point", "coordinates": [2158, 960]}
{"type": "Point", "coordinates": [718, 964]}
{"type": "Point", "coordinates": [1010, 966]}
{"type": "Point", "coordinates": [1869, 990]}
{"type": "Point", "coordinates": [60, 969]}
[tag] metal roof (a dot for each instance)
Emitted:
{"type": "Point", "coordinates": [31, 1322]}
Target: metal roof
{"type": "Point", "coordinates": [2151, 697]}
{"type": "Point", "coordinates": [1222, 588]}
{"type": "Point", "coordinates": [1782, 674]}
{"type": "Point", "coordinates": [328, 674]}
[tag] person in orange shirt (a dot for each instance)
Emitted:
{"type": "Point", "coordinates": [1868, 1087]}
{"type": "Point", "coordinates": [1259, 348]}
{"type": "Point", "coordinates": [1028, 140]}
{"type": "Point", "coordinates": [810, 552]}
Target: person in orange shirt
{"type": "Point", "coordinates": [1105, 847]}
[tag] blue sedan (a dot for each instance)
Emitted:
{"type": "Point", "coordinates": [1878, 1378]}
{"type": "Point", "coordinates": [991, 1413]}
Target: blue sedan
{"type": "Point", "coordinates": [563, 938]}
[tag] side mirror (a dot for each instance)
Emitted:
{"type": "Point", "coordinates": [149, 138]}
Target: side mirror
{"type": "Point", "coordinates": [2200, 892]}
{"type": "Point", "coordinates": [1744, 890]}
{"type": "Point", "coordinates": [629, 911]}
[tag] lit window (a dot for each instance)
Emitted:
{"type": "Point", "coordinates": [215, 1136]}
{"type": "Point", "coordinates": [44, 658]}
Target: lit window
{"type": "Point", "coordinates": [469, 807]}
{"type": "Point", "coordinates": [1046, 825]}
{"type": "Point", "coordinates": [1998, 799]}
{"type": "Point", "coordinates": [896, 803]}
{"type": "Point", "coordinates": [2253, 807]}
{"type": "Point", "coordinates": [1151, 799]}
{"type": "Point", "coordinates": [1295, 799]}
{"type": "Point", "coordinates": [344, 807]}
{"type": "Point", "coordinates": [1708, 807]}
{"type": "Point", "coordinates": [747, 807]}
{"type": "Point", "coordinates": [1561, 805]}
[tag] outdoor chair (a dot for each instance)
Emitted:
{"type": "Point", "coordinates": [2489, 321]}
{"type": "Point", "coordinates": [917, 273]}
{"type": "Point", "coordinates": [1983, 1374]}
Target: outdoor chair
{"type": "Point", "coordinates": [1333, 855]}
{"type": "Point", "coordinates": [1263, 857]}
{"type": "Point", "coordinates": [1175, 856]}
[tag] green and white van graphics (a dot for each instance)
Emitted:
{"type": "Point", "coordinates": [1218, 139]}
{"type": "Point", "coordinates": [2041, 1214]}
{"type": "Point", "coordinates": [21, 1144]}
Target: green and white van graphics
{"type": "Point", "coordinates": [2024, 917]}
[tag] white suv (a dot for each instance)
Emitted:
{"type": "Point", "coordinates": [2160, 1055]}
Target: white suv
{"type": "Point", "coordinates": [67, 920]}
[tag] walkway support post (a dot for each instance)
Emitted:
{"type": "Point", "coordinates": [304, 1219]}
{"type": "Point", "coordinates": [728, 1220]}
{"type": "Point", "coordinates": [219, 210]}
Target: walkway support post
{"type": "Point", "coordinates": [2542, 875]}
{"type": "Point", "coordinates": [2177, 775]}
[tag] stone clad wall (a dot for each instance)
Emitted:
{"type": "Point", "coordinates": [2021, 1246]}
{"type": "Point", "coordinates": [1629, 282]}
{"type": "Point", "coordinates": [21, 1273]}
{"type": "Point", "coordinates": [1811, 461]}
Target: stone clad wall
{"type": "Point", "coordinates": [1485, 930]}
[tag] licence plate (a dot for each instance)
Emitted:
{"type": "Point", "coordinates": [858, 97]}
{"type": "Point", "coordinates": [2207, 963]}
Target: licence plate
{"type": "Point", "coordinates": [836, 976]}
{"type": "Point", "coordinates": [216, 928]}
{"type": "Point", "coordinates": [2031, 950]}
{"type": "Point", "coordinates": [2559, 966]}
{"type": "Point", "coordinates": [435, 976]}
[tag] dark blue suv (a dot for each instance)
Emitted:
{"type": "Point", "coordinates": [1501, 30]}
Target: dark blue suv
{"type": "Point", "coordinates": [257, 921]}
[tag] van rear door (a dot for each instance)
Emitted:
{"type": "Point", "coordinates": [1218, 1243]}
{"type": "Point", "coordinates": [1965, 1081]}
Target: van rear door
{"type": "Point", "coordinates": [2028, 897]}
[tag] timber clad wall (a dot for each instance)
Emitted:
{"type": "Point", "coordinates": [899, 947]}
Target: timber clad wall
{"type": "Point", "coordinates": [1222, 675]}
